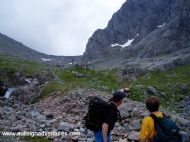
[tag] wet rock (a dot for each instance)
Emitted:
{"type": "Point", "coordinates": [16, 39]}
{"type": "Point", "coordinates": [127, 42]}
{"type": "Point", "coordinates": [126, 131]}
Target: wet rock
{"type": "Point", "coordinates": [2, 98]}
{"type": "Point", "coordinates": [3, 90]}
{"type": "Point", "coordinates": [4, 103]}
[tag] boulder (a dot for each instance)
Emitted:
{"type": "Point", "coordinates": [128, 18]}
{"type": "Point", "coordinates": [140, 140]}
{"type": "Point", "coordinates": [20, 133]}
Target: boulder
{"type": "Point", "coordinates": [133, 136]}
{"type": "Point", "coordinates": [65, 126]}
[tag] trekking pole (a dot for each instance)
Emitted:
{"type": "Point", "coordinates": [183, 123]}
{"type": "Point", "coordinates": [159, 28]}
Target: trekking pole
{"type": "Point", "coordinates": [127, 89]}
{"type": "Point", "coordinates": [131, 84]}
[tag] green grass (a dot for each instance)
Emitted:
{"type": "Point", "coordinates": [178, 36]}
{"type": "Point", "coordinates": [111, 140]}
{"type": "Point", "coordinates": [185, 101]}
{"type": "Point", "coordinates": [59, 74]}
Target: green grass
{"type": "Point", "coordinates": [27, 67]}
{"type": "Point", "coordinates": [10, 65]}
{"type": "Point", "coordinates": [106, 80]}
{"type": "Point", "coordinates": [52, 87]}
{"type": "Point", "coordinates": [100, 80]}
{"type": "Point", "coordinates": [168, 82]}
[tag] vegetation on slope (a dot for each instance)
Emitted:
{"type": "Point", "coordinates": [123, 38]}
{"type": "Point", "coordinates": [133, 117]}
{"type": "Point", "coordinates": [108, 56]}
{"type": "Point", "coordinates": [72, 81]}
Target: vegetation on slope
{"type": "Point", "coordinates": [174, 84]}
{"type": "Point", "coordinates": [171, 83]}
{"type": "Point", "coordinates": [9, 66]}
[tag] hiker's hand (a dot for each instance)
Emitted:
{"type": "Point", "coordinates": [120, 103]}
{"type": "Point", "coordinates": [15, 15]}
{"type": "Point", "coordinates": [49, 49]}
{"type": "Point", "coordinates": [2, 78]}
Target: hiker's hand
{"type": "Point", "coordinates": [126, 90]}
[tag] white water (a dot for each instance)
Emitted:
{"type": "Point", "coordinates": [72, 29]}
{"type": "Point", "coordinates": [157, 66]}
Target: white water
{"type": "Point", "coordinates": [8, 92]}
{"type": "Point", "coordinates": [28, 80]}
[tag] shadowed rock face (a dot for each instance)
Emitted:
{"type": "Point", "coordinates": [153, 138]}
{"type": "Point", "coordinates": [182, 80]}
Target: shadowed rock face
{"type": "Point", "coordinates": [158, 28]}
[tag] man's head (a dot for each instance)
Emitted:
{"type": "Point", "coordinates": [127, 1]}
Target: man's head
{"type": "Point", "coordinates": [118, 97]}
{"type": "Point", "coordinates": [152, 104]}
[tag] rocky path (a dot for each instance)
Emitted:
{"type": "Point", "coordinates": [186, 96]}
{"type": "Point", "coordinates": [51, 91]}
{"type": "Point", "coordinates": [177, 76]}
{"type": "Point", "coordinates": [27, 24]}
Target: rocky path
{"type": "Point", "coordinates": [64, 112]}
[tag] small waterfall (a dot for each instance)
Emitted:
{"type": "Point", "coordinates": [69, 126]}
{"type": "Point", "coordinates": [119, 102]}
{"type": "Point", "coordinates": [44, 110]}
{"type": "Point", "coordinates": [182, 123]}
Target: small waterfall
{"type": "Point", "coordinates": [28, 81]}
{"type": "Point", "coordinates": [8, 92]}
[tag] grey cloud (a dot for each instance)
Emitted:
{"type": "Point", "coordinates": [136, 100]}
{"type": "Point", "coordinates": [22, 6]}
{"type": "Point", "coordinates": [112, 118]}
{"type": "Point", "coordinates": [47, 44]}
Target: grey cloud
{"type": "Point", "coordinates": [58, 27]}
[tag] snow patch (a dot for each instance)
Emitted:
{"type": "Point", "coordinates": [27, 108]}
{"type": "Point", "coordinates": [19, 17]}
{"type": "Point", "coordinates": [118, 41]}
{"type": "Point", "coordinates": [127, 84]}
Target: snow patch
{"type": "Point", "coordinates": [161, 25]}
{"type": "Point", "coordinates": [128, 43]}
{"type": "Point", "coordinates": [46, 59]}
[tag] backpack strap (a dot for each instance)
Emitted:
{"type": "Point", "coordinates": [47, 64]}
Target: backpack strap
{"type": "Point", "coordinates": [119, 115]}
{"type": "Point", "coordinates": [118, 112]}
{"type": "Point", "coordinates": [156, 121]}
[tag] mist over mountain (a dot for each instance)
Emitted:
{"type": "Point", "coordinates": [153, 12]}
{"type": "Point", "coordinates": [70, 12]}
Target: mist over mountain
{"type": "Point", "coordinates": [148, 34]}
{"type": "Point", "coordinates": [11, 47]}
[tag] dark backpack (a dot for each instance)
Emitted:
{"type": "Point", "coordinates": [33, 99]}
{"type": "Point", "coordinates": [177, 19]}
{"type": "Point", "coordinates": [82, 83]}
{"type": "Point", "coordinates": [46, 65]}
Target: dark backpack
{"type": "Point", "coordinates": [166, 128]}
{"type": "Point", "coordinates": [95, 116]}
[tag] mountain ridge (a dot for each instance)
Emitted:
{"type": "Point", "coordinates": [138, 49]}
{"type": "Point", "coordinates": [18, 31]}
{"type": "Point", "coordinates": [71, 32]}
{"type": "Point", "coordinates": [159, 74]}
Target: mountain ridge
{"type": "Point", "coordinates": [11, 47]}
{"type": "Point", "coordinates": [157, 28]}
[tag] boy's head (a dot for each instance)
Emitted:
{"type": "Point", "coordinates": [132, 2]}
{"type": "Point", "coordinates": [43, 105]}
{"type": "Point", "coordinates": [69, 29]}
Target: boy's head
{"type": "Point", "coordinates": [118, 97]}
{"type": "Point", "coordinates": [152, 104]}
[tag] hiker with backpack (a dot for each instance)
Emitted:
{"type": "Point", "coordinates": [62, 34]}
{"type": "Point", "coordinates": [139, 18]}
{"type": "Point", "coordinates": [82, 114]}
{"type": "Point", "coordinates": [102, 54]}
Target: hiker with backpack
{"type": "Point", "coordinates": [157, 127]}
{"type": "Point", "coordinates": [102, 116]}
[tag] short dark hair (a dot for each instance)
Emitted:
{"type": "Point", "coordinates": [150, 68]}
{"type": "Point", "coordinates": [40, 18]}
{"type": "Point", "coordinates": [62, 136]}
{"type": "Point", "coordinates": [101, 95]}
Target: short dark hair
{"type": "Point", "coordinates": [152, 103]}
{"type": "Point", "coordinates": [118, 96]}
{"type": "Point", "coordinates": [116, 100]}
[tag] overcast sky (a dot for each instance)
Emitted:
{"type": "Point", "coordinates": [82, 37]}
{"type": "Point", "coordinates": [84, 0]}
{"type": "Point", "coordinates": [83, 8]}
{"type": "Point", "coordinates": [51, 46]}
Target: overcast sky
{"type": "Point", "coordinates": [56, 27]}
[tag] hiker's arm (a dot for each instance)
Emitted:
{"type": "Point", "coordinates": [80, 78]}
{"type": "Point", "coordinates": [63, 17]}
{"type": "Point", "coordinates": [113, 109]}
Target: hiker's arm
{"type": "Point", "coordinates": [105, 132]}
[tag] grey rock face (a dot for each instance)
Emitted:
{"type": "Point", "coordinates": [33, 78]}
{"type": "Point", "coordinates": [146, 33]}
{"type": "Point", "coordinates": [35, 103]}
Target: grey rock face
{"type": "Point", "coordinates": [158, 29]}
{"type": "Point", "coordinates": [134, 18]}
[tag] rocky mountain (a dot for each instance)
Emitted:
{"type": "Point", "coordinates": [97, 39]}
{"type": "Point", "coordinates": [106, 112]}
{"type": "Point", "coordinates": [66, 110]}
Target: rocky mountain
{"type": "Point", "coordinates": [9, 46]}
{"type": "Point", "coordinates": [144, 33]}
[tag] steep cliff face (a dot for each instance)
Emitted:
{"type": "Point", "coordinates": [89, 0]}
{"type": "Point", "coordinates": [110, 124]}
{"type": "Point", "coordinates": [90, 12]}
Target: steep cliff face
{"type": "Point", "coordinates": [172, 36]}
{"type": "Point", "coordinates": [143, 29]}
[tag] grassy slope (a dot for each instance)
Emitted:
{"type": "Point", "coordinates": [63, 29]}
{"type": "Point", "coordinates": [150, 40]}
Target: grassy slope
{"type": "Point", "coordinates": [101, 80]}
{"type": "Point", "coordinates": [168, 82]}
{"type": "Point", "coordinates": [9, 66]}
{"type": "Point", "coordinates": [106, 80]}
